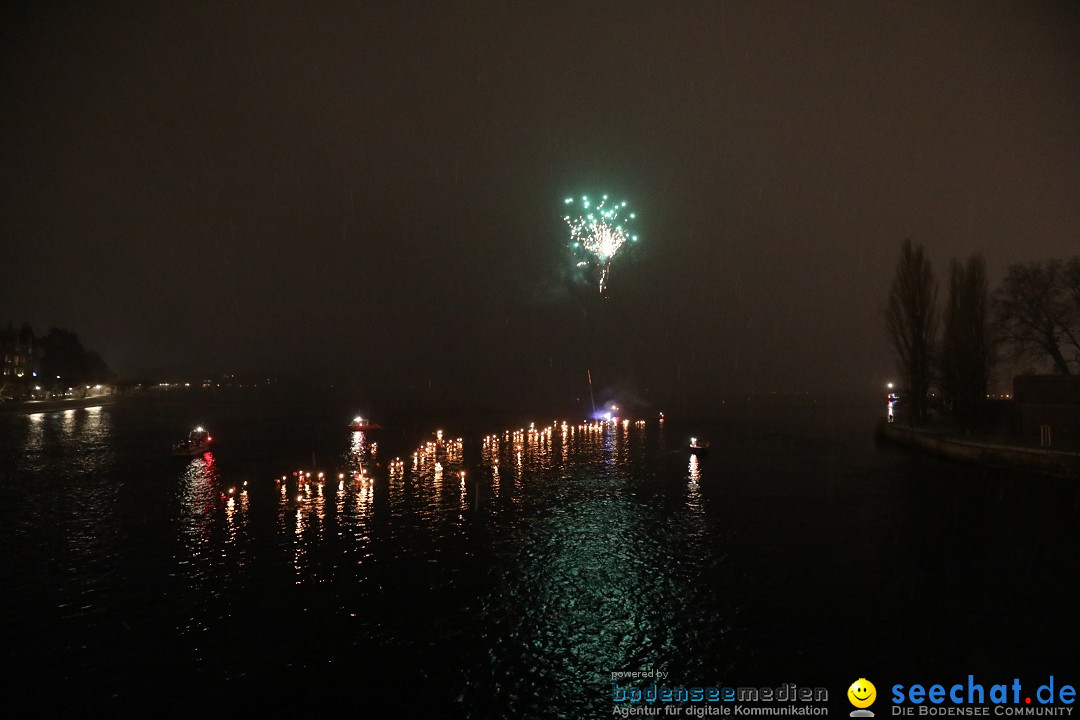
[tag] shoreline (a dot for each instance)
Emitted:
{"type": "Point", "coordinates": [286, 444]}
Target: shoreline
{"type": "Point", "coordinates": [32, 407]}
{"type": "Point", "coordinates": [1053, 463]}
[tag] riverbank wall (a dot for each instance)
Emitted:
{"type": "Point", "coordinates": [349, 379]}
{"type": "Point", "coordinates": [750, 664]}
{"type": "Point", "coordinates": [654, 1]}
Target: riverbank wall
{"type": "Point", "coordinates": [1042, 461]}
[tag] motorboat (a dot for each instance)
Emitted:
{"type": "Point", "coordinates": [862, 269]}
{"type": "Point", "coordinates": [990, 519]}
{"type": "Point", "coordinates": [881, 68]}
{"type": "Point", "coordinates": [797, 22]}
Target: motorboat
{"type": "Point", "coordinates": [197, 442]}
{"type": "Point", "coordinates": [699, 446]}
{"type": "Point", "coordinates": [361, 424]}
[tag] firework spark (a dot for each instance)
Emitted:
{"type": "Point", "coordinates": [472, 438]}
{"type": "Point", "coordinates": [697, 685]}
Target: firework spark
{"type": "Point", "coordinates": [598, 233]}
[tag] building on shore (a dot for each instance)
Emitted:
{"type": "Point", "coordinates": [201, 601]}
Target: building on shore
{"type": "Point", "coordinates": [1047, 408]}
{"type": "Point", "coordinates": [20, 353]}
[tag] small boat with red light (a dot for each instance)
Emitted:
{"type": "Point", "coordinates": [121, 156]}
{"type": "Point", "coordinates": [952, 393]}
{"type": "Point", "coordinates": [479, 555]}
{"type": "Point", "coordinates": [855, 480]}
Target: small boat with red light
{"type": "Point", "coordinates": [361, 424]}
{"type": "Point", "coordinates": [197, 442]}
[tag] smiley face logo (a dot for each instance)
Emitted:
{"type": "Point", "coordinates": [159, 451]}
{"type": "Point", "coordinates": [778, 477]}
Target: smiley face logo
{"type": "Point", "coordinates": [862, 693]}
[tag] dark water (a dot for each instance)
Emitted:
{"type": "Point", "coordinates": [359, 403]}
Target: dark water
{"type": "Point", "coordinates": [797, 551]}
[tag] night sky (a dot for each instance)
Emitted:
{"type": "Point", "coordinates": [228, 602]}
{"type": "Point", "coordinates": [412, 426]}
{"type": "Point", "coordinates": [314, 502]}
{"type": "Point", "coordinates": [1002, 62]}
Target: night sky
{"type": "Point", "coordinates": [373, 192]}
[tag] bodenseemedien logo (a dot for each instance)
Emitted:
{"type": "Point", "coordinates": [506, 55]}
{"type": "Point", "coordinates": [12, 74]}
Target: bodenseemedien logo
{"type": "Point", "coordinates": [862, 694]}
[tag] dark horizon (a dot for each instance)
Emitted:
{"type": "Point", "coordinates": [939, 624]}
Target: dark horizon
{"type": "Point", "coordinates": [373, 194]}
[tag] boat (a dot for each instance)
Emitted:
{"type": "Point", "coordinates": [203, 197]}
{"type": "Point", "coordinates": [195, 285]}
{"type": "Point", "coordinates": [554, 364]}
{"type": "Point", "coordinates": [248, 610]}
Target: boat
{"type": "Point", "coordinates": [360, 424]}
{"type": "Point", "coordinates": [698, 446]}
{"type": "Point", "coordinates": [197, 442]}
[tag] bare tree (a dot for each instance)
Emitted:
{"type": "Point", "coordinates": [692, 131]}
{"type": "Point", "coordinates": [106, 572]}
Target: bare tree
{"type": "Point", "coordinates": [967, 347]}
{"type": "Point", "coordinates": [1072, 293]}
{"type": "Point", "coordinates": [1038, 312]}
{"type": "Point", "coordinates": [911, 320]}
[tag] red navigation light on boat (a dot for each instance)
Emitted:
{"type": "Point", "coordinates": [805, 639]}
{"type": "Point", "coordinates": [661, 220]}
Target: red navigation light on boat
{"type": "Point", "coordinates": [196, 443]}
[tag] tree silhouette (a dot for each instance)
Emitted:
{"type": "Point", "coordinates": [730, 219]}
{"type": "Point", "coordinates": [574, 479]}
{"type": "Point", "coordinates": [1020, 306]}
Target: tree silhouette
{"type": "Point", "coordinates": [1038, 312]}
{"type": "Point", "coordinates": [911, 320]}
{"type": "Point", "coordinates": [967, 352]}
{"type": "Point", "coordinates": [65, 356]}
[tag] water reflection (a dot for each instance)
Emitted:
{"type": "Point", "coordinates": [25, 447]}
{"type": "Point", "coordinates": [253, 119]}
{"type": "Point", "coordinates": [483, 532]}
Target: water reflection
{"type": "Point", "coordinates": [62, 532]}
{"type": "Point", "coordinates": [308, 522]}
{"type": "Point", "coordinates": [82, 437]}
{"type": "Point", "coordinates": [317, 507]}
{"type": "Point", "coordinates": [34, 437]}
{"type": "Point", "coordinates": [432, 496]}
{"type": "Point", "coordinates": [585, 587]}
{"type": "Point", "coordinates": [436, 490]}
{"type": "Point", "coordinates": [589, 588]}
{"type": "Point", "coordinates": [198, 495]}
{"type": "Point", "coordinates": [559, 556]}
{"type": "Point", "coordinates": [538, 532]}
{"type": "Point", "coordinates": [236, 512]}
{"type": "Point", "coordinates": [214, 516]}
{"type": "Point", "coordinates": [695, 509]}
{"type": "Point", "coordinates": [362, 450]}
{"type": "Point", "coordinates": [201, 533]}
{"type": "Point", "coordinates": [586, 592]}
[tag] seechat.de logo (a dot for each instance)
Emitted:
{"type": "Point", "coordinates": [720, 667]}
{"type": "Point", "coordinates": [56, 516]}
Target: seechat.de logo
{"type": "Point", "coordinates": [862, 694]}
